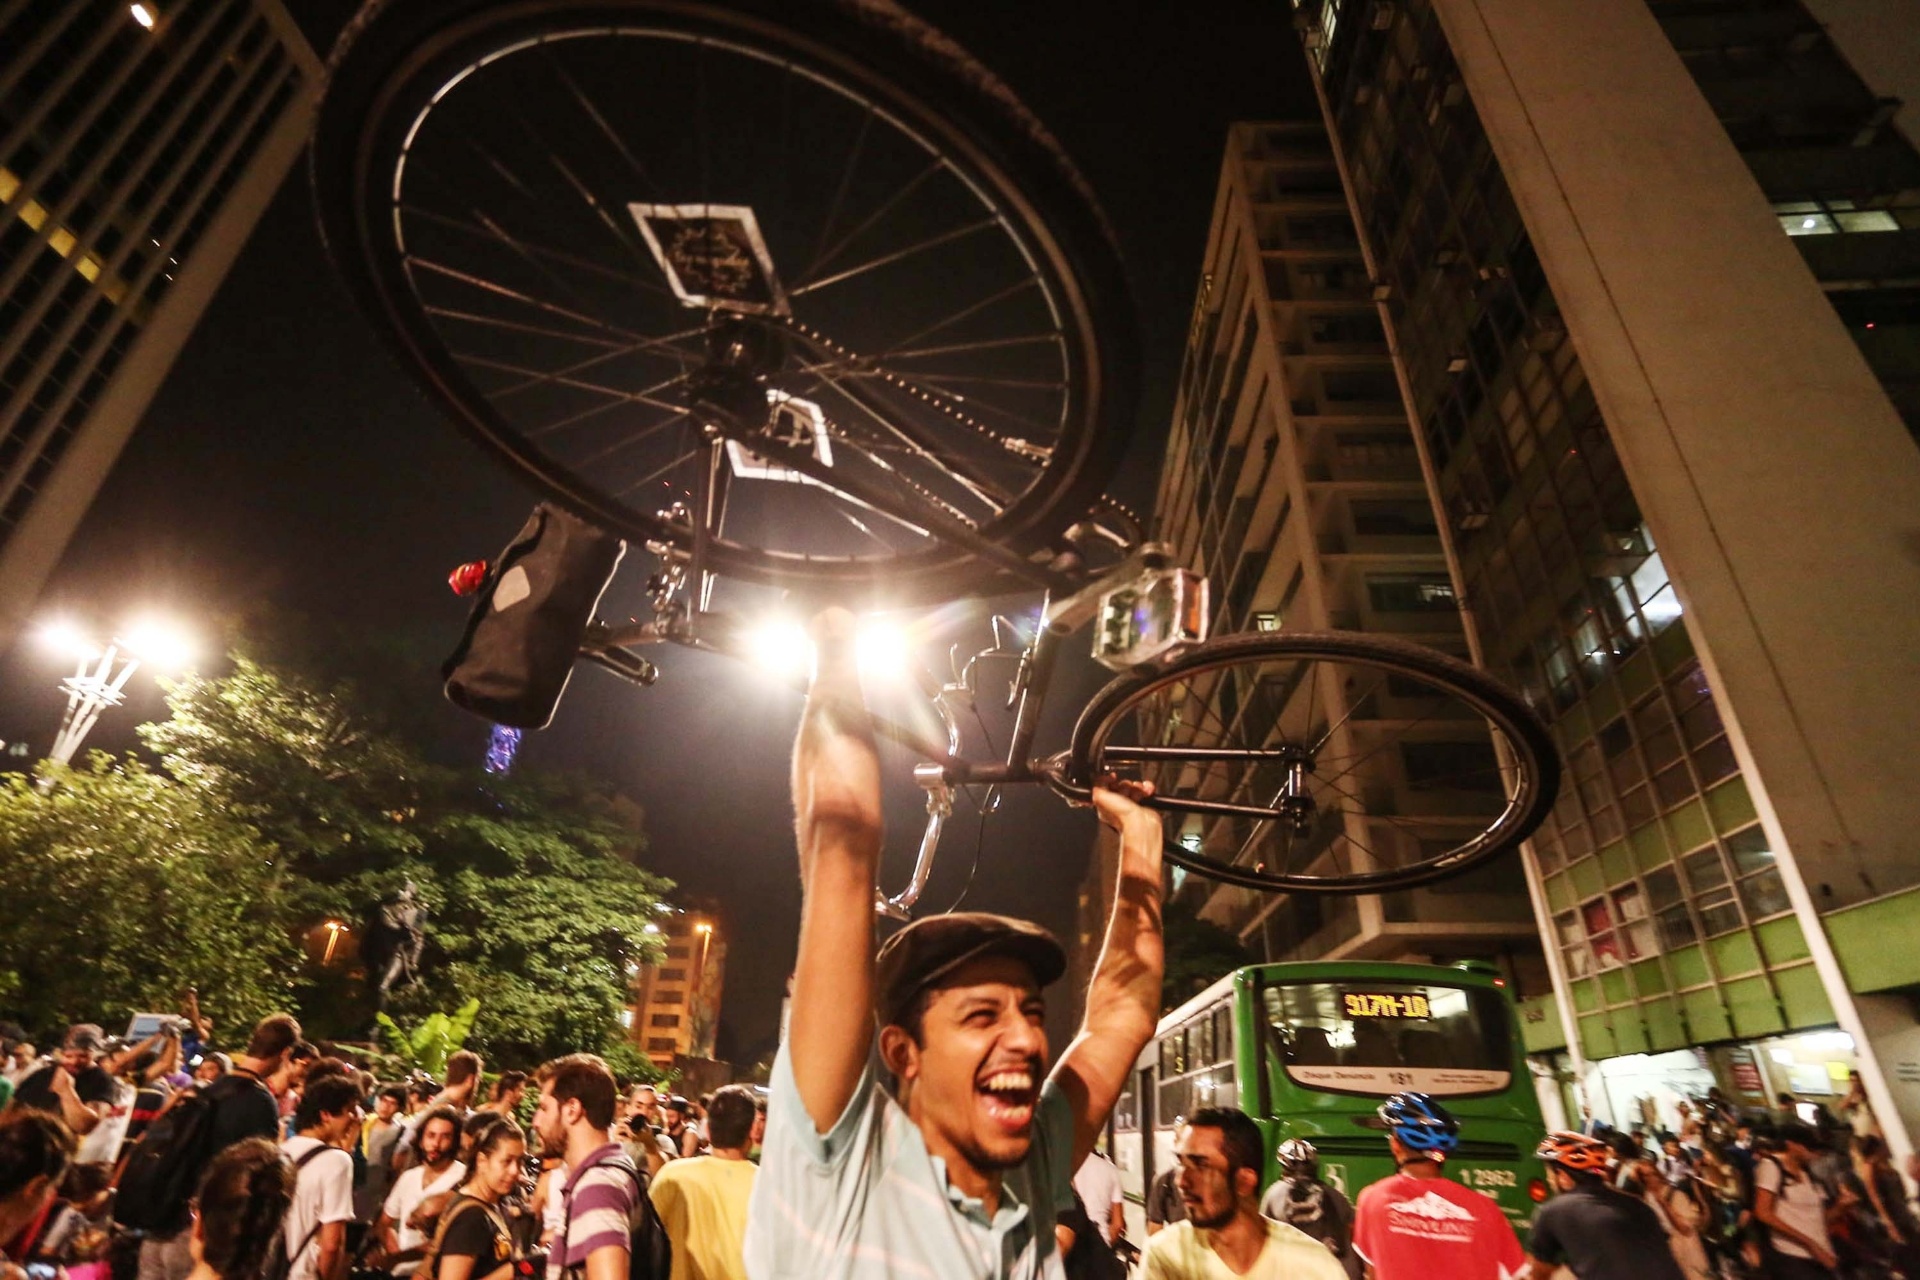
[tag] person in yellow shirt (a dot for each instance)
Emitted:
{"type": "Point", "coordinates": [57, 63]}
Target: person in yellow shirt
{"type": "Point", "coordinates": [1224, 1237]}
{"type": "Point", "coordinates": [702, 1201]}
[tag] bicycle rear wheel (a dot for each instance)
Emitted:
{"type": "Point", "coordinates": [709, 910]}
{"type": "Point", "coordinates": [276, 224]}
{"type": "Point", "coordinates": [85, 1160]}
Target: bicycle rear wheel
{"type": "Point", "coordinates": [1324, 762]}
{"type": "Point", "coordinates": [566, 214]}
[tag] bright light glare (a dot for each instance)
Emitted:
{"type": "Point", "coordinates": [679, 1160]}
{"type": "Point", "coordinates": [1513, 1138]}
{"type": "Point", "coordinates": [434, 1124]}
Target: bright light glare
{"type": "Point", "coordinates": [781, 647]}
{"type": "Point", "coordinates": [882, 650]}
{"type": "Point", "coordinates": [64, 638]}
{"type": "Point", "coordinates": [784, 648]}
{"type": "Point", "coordinates": [160, 643]}
{"type": "Point", "coordinates": [143, 16]}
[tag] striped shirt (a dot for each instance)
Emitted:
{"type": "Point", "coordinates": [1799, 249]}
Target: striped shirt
{"type": "Point", "coordinates": [599, 1202]}
{"type": "Point", "coordinates": [868, 1200]}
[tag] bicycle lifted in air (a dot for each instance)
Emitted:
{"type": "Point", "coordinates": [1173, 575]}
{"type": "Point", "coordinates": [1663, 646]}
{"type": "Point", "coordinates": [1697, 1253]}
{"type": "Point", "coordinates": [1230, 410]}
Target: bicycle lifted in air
{"type": "Point", "coordinates": [795, 293]}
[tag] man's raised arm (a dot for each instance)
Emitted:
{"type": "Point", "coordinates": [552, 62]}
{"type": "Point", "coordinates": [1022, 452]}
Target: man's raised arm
{"type": "Point", "coordinates": [1123, 1001]}
{"type": "Point", "coordinates": [836, 803]}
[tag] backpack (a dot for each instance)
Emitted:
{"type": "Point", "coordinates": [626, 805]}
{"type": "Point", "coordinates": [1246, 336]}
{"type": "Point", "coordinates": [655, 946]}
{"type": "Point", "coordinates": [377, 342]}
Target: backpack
{"type": "Point", "coordinates": [649, 1251]}
{"type": "Point", "coordinates": [279, 1263]}
{"type": "Point", "coordinates": [163, 1170]}
{"type": "Point", "coordinates": [430, 1261]}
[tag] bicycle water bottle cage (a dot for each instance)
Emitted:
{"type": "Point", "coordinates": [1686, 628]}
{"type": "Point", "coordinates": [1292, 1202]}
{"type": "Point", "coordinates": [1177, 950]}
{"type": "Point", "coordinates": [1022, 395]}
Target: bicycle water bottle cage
{"type": "Point", "coordinates": [1159, 611]}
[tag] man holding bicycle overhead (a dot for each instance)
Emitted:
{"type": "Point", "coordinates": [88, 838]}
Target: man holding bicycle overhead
{"type": "Point", "coordinates": [959, 1169]}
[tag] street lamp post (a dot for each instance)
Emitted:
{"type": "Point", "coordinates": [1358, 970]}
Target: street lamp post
{"type": "Point", "coordinates": [92, 688]}
{"type": "Point", "coordinates": [100, 675]}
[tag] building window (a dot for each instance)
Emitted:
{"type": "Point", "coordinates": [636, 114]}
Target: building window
{"type": "Point", "coordinates": [1712, 895]}
{"type": "Point", "coordinates": [1410, 593]}
{"type": "Point", "coordinates": [1671, 919]}
{"type": "Point", "coordinates": [1760, 886]}
{"type": "Point", "coordinates": [1379, 519]}
{"type": "Point", "coordinates": [1451, 766]}
{"type": "Point", "coordinates": [669, 997]}
{"type": "Point", "coordinates": [661, 1044]}
{"type": "Point", "coordinates": [1831, 217]}
{"type": "Point", "coordinates": [1610, 951]}
{"type": "Point", "coordinates": [1636, 930]}
{"type": "Point", "coordinates": [664, 1020]}
{"type": "Point", "coordinates": [673, 975]}
{"type": "Point", "coordinates": [626, 1018]}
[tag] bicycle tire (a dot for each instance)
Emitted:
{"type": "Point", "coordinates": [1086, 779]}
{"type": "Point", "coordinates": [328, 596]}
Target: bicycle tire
{"type": "Point", "coordinates": [388, 58]}
{"type": "Point", "coordinates": [1536, 763]}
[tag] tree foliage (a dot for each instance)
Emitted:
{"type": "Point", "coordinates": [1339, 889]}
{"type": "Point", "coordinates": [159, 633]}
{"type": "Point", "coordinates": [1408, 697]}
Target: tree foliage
{"type": "Point", "coordinates": [428, 1044]}
{"type": "Point", "coordinates": [1199, 954]}
{"type": "Point", "coordinates": [121, 889]}
{"type": "Point", "coordinates": [282, 801]}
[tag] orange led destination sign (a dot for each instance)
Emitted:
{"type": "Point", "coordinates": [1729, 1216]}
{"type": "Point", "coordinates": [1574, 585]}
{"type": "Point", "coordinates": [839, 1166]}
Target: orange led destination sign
{"type": "Point", "coordinates": [1379, 1004]}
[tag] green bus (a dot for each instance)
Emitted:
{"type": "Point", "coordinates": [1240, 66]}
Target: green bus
{"type": "Point", "coordinates": [1308, 1049]}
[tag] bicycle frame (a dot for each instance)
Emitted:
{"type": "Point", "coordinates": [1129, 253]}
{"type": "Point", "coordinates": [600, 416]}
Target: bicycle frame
{"type": "Point", "coordinates": [943, 768]}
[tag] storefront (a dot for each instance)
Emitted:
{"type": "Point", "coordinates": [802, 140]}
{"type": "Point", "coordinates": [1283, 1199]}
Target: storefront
{"type": "Point", "coordinates": [1644, 1090]}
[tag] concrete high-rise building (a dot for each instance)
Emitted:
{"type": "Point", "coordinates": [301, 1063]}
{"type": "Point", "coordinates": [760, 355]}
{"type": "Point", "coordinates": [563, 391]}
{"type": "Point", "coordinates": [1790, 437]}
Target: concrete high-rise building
{"type": "Point", "coordinates": [676, 1004]}
{"type": "Point", "coordinates": [1646, 271]}
{"type": "Point", "coordinates": [1292, 481]}
{"type": "Point", "coordinates": [139, 144]}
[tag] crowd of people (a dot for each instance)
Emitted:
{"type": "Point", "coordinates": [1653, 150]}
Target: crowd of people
{"type": "Point", "coordinates": [280, 1162]}
{"type": "Point", "coordinates": [916, 1124]}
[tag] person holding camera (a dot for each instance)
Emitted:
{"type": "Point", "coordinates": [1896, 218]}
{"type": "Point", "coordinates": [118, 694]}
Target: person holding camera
{"type": "Point", "coordinates": [1301, 1199]}
{"type": "Point", "coordinates": [73, 1086]}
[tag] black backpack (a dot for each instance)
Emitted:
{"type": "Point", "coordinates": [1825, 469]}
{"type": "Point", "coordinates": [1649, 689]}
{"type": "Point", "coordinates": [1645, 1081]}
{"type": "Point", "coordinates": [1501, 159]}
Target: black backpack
{"type": "Point", "coordinates": [649, 1251]}
{"type": "Point", "coordinates": [164, 1169]}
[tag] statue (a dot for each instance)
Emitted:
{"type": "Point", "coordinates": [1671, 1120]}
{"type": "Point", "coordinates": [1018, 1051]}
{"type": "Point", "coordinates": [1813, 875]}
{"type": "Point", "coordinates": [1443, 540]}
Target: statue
{"type": "Point", "coordinates": [396, 934]}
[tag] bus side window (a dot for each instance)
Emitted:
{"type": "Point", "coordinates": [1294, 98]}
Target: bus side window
{"type": "Point", "coordinates": [1124, 1117]}
{"type": "Point", "coordinates": [1223, 1034]}
{"type": "Point", "coordinates": [1200, 1043]}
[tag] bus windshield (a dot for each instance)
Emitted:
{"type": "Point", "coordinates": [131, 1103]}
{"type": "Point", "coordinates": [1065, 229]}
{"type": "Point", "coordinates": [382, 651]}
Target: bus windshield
{"type": "Point", "coordinates": [1376, 1037]}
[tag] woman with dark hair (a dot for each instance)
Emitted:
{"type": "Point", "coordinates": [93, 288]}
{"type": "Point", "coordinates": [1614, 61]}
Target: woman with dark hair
{"type": "Point", "coordinates": [35, 1149]}
{"type": "Point", "coordinates": [473, 1240]}
{"type": "Point", "coordinates": [240, 1210]}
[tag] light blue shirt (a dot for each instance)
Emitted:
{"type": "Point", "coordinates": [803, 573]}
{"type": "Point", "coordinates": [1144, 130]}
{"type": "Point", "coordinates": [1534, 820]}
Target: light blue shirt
{"type": "Point", "coordinates": [869, 1200]}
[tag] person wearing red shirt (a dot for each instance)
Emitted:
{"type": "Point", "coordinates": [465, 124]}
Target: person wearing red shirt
{"type": "Point", "coordinates": [1421, 1225]}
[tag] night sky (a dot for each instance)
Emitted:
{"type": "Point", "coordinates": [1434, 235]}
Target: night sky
{"type": "Point", "coordinates": [289, 461]}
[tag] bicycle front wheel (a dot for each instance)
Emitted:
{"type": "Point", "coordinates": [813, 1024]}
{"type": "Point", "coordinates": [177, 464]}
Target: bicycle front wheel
{"type": "Point", "coordinates": [562, 213]}
{"type": "Point", "coordinates": [1324, 762]}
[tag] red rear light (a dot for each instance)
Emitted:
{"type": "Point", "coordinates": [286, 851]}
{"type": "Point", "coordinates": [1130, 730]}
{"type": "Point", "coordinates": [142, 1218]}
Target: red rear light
{"type": "Point", "coordinates": [1537, 1191]}
{"type": "Point", "coordinates": [1499, 982]}
{"type": "Point", "coordinates": [467, 578]}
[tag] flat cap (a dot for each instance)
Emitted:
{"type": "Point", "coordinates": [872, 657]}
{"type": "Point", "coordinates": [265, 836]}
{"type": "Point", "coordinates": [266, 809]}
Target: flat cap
{"type": "Point", "coordinates": [85, 1035]}
{"type": "Point", "coordinates": [918, 956]}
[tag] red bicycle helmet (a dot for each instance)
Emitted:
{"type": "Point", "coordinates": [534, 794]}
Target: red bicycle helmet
{"type": "Point", "coordinates": [1576, 1153]}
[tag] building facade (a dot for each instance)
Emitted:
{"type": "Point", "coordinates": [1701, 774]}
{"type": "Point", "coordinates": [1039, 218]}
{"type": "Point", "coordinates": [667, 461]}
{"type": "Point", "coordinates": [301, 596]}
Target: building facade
{"type": "Point", "coordinates": [1291, 479]}
{"type": "Point", "coordinates": [675, 1009]}
{"type": "Point", "coordinates": [1674, 477]}
{"type": "Point", "coordinates": [139, 144]}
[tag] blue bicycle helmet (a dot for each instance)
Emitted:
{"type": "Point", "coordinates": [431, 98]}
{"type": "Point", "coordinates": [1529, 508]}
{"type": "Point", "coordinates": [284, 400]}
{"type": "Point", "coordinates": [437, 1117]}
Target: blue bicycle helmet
{"type": "Point", "coordinates": [1420, 1123]}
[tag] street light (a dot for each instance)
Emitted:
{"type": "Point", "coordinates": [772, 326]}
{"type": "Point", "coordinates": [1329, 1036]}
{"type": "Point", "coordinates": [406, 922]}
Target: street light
{"type": "Point", "coordinates": [100, 675]}
{"type": "Point", "coordinates": [334, 929]}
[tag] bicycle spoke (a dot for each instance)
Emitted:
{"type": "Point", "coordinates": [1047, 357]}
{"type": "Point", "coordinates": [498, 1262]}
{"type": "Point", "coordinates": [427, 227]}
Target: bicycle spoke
{"type": "Point", "coordinates": [574, 419]}
{"type": "Point", "coordinates": [592, 113]}
{"type": "Point", "coordinates": [451, 223]}
{"type": "Point", "coordinates": [989, 344]}
{"type": "Point", "coordinates": [887, 206]}
{"type": "Point", "coordinates": [988, 381]}
{"type": "Point", "coordinates": [840, 192]}
{"type": "Point", "coordinates": [578, 384]}
{"type": "Point", "coordinates": [590, 362]}
{"type": "Point", "coordinates": [515, 295]}
{"type": "Point", "coordinates": [973, 309]}
{"type": "Point", "coordinates": [1353, 705]}
{"type": "Point", "coordinates": [993, 501]}
{"type": "Point", "coordinates": [898, 255]}
{"type": "Point", "coordinates": [659, 473]}
{"type": "Point", "coordinates": [630, 441]}
{"type": "Point", "coordinates": [1382, 746]}
{"type": "Point", "coordinates": [532, 330]}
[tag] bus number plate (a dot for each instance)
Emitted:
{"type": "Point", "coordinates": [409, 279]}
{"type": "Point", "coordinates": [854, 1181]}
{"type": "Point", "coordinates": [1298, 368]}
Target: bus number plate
{"type": "Point", "coordinates": [1481, 1179]}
